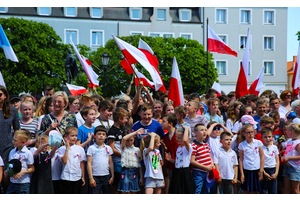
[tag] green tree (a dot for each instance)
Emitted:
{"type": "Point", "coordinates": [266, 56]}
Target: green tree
{"type": "Point", "coordinates": [190, 56]}
{"type": "Point", "coordinates": [298, 34]}
{"type": "Point", "coordinates": [40, 53]}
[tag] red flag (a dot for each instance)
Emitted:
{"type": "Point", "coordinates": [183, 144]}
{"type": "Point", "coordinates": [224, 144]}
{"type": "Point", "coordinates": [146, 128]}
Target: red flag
{"type": "Point", "coordinates": [134, 55]}
{"type": "Point", "coordinates": [146, 49]}
{"type": "Point", "coordinates": [215, 44]}
{"type": "Point", "coordinates": [241, 85]}
{"type": "Point", "coordinates": [175, 88]}
{"type": "Point", "coordinates": [124, 63]}
{"type": "Point", "coordinates": [296, 78]}
{"type": "Point", "coordinates": [146, 82]}
{"type": "Point", "coordinates": [216, 86]}
{"type": "Point", "coordinates": [257, 83]}
{"type": "Point", "coordinates": [76, 90]}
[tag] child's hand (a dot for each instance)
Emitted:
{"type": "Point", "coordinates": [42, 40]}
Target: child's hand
{"type": "Point", "coordinates": [164, 184]}
{"type": "Point", "coordinates": [208, 168]}
{"type": "Point", "coordinates": [18, 175]}
{"type": "Point", "coordinates": [111, 180]}
{"type": "Point", "coordinates": [268, 177]}
{"type": "Point", "coordinates": [83, 181]}
{"type": "Point", "coordinates": [141, 181]}
{"type": "Point", "coordinates": [167, 156]}
{"type": "Point", "coordinates": [92, 183]}
{"type": "Point", "coordinates": [260, 175]}
{"type": "Point", "coordinates": [220, 180]}
{"type": "Point", "coordinates": [273, 176]}
{"type": "Point", "coordinates": [152, 134]}
{"type": "Point", "coordinates": [140, 131]}
{"type": "Point", "coordinates": [53, 125]}
{"type": "Point", "coordinates": [90, 136]}
{"type": "Point", "coordinates": [242, 179]}
{"type": "Point", "coordinates": [285, 159]}
{"type": "Point", "coordinates": [164, 146]}
{"type": "Point", "coordinates": [234, 181]}
{"type": "Point", "coordinates": [67, 144]}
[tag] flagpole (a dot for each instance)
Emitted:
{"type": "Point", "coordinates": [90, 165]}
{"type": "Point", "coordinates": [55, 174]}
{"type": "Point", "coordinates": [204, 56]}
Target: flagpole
{"type": "Point", "coordinates": [207, 55]}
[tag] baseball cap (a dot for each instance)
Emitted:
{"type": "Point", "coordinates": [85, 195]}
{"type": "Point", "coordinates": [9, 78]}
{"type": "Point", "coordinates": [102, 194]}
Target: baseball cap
{"type": "Point", "coordinates": [291, 115]}
{"type": "Point", "coordinates": [211, 177]}
{"type": "Point", "coordinates": [14, 166]}
{"type": "Point", "coordinates": [249, 119]}
{"type": "Point", "coordinates": [14, 98]}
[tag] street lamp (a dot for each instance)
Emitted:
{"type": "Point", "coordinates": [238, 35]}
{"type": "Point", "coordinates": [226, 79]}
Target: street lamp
{"type": "Point", "coordinates": [105, 60]}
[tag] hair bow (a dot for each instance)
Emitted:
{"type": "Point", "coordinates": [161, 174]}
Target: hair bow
{"type": "Point", "coordinates": [246, 122]}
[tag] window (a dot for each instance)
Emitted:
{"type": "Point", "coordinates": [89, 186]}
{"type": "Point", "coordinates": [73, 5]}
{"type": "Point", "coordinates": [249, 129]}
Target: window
{"type": "Point", "coordinates": [70, 11]}
{"type": "Point", "coordinates": [221, 16]}
{"type": "Point", "coordinates": [168, 35]}
{"type": "Point", "coordinates": [154, 34]}
{"type": "Point", "coordinates": [269, 68]}
{"type": "Point", "coordinates": [136, 34]}
{"type": "Point", "coordinates": [44, 10]}
{"type": "Point", "coordinates": [185, 15]}
{"type": "Point", "coordinates": [243, 41]}
{"type": "Point", "coordinates": [73, 34]}
{"type": "Point", "coordinates": [97, 38]}
{"type": "Point", "coordinates": [135, 13]}
{"type": "Point", "coordinates": [223, 38]}
{"type": "Point", "coordinates": [3, 9]}
{"type": "Point", "coordinates": [245, 17]}
{"type": "Point", "coordinates": [269, 17]}
{"type": "Point", "coordinates": [269, 43]}
{"type": "Point", "coordinates": [186, 36]}
{"type": "Point", "coordinates": [161, 14]}
{"type": "Point", "coordinates": [96, 12]}
{"type": "Point", "coordinates": [221, 67]}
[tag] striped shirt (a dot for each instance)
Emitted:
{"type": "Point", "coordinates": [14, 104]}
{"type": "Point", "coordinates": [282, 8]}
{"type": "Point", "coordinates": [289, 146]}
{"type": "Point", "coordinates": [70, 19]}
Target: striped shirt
{"type": "Point", "coordinates": [32, 127]}
{"type": "Point", "coordinates": [202, 154]}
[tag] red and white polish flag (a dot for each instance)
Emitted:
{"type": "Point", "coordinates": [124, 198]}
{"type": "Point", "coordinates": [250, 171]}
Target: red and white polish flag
{"type": "Point", "coordinates": [146, 82]}
{"type": "Point", "coordinates": [175, 88]}
{"type": "Point", "coordinates": [257, 84]}
{"type": "Point", "coordinates": [76, 90]}
{"type": "Point", "coordinates": [241, 85]}
{"type": "Point", "coordinates": [296, 76]}
{"type": "Point", "coordinates": [134, 55]}
{"type": "Point", "coordinates": [92, 76]}
{"type": "Point", "coordinates": [216, 44]}
{"type": "Point", "coordinates": [216, 86]}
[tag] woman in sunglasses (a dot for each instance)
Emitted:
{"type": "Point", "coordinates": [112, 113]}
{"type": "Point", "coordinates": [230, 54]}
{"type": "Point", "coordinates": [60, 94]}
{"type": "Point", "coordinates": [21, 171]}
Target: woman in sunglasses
{"type": "Point", "coordinates": [286, 97]}
{"type": "Point", "coordinates": [8, 118]}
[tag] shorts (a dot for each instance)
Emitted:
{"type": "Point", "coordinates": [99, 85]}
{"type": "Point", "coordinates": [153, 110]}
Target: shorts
{"type": "Point", "coordinates": [291, 172]}
{"type": "Point", "coordinates": [154, 183]}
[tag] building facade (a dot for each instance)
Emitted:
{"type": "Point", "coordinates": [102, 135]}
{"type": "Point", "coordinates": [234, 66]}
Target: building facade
{"type": "Point", "coordinates": [94, 26]}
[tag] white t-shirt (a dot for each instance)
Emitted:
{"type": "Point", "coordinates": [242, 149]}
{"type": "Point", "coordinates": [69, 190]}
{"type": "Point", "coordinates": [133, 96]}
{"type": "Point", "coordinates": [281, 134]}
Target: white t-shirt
{"type": "Point", "coordinates": [72, 170]}
{"type": "Point", "coordinates": [1, 162]}
{"type": "Point", "coordinates": [56, 166]}
{"type": "Point", "coordinates": [214, 144]}
{"type": "Point", "coordinates": [270, 156]}
{"type": "Point", "coordinates": [26, 158]}
{"type": "Point", "coordinates": [226, 161]}
{"type": "Point", "coordinates": [152, 164]}
{"type": "Point", "coordinates": [291, 151]}
{"type": "Point", "coordinates": [229, 124]}
{"type": "Point", "coordinates": [100, 161]}
{"type": "Point", "coordinates": [251, 154]}
{"type": "Point", "coordinates": [183, 157]}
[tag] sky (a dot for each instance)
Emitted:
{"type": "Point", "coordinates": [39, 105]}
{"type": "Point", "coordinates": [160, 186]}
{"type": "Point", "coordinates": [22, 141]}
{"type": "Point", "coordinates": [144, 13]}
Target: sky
{"type": "Point", "coordinates": [293, 28]}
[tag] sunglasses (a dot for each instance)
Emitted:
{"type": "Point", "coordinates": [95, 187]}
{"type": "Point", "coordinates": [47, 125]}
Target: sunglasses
{"type": "Point", "coordinates": [250, 112]}
{"type": "Point", "coordinates": [217, 128]}
{"type": "Point", "coordinates": [289, 96]}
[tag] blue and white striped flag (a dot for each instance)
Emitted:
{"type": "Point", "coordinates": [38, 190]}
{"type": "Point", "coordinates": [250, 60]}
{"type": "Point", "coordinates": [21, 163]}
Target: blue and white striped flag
{"type": "Point", "coordinates": [8, 50]}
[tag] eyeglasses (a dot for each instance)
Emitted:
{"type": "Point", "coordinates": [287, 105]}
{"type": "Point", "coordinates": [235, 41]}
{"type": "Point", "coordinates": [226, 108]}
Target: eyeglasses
{"type": "Point", "coordinates": [250, 112]}
{"type": "Point", "coordinates": [250, 133]}
{"type": "Point", "coordinates": [59, 102]}
{"type": "Point", "coordinates": [289, 96]}
{"type": "Point", "coordinates": [216, 128]}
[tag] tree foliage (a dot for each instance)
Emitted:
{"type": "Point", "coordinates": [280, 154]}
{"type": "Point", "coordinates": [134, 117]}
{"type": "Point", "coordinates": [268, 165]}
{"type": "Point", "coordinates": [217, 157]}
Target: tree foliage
{"type": "Point", "coordinates": [298, 34]}
{"type": "Point", "coordinates": [190, 56]}
{"type": "Point", "coordinates": [40, 53]}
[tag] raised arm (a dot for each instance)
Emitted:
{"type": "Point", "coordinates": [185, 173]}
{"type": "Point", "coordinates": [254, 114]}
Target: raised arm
{"type": "Point", "coordinates": [137, 98]}
{"type": "Point", "coordinates": [126, 137]}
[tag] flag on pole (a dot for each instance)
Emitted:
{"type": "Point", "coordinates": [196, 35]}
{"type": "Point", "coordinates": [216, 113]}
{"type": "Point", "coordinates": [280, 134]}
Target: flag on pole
{"type": "Point", "coordinates": [175, 88]}
{"type": "Point", "coordinates": [146, 49]}
{"type": "Point", "coordinates": [134, 55]}
{"type": "Point", "coordinates": [257, 84]}
{"type": "Point", "coordinates": [76, 90]}
{"type": "Point", "coordinates": [124, 63]}
{"type": "Point", "coordinates": [93, 84]}
{"type": "Point", "coordinates": [296, 78]}
{"type": "Point", "coordinates": [92, 76]}
{"type": "Point", "coordinates": [216, 86]}
{"type": "Point", "coordinates": [146, 82]}
{"type": "Point", "coordinates": [2, 80]}
{"type": "Point", "coordinates": [241, 85]}
{"type": "Point", "coordinates": [7, 48]}
{"type": "Point", "coordinates": [216, 44]}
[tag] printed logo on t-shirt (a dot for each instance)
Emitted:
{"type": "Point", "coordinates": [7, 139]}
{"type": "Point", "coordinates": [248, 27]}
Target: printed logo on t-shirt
{"type": "Point", "coordinates": [256, 150]}
{"type": "Point", "coordinates": [232, 158]}
{"type": "Point", "coordinates": [77, 155]}
{"type": "Point", "coordinates": [155, 161]}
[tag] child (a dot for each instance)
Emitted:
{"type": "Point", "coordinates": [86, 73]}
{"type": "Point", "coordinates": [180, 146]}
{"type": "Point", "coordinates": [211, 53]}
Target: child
{"type": "Point", "coordinates": [271, 166]}
{"type": "Point", "coordinates": [106, 108]}
{"type": "Point", "coordinates": [20, 182]}
{"type": "Point", "coordinates": [265, 121]}
{"type": "Point", "coordinates": [201, 159]}
{"type": "Point", "coordinates": [83, 102]}
{"type": "Point", "coordinates": [99, 163]}
{"type": "Point", "coordinates": [152, 159]}
{"type": "Point", "coordinates": [277, 132]}
{"type": "Point", "coordinates": [131, 168]}
{"type": "Point", "coordinates": [192, 118]}
{"type": "Point", "coordinates": [72, 157]}
{"type": "Point", "coordinates": [226, 163]}
{"type": "Point", "coordinates": [157, 110]}
{"type": "Point", "coordinates": [251, 161]}
{"type": "Point", "coordinates": [27, 122]}
{"type": "Point", "coordinates": [261, 111]}
{"type": "Point", "coordinates": [168, 108]}
{"type": "Point", "coordinates": [182, 181]}
{"type": "Point", "coordinates": [213, 108]}
{"type": "Point", "coordinates": [181, 112]}
{"type": "Point", "coordinates": [114, 137]}
{"type": "Point", "coordinates": [291, 158]}
{"type": "Point", "coordinates": [42, 176]}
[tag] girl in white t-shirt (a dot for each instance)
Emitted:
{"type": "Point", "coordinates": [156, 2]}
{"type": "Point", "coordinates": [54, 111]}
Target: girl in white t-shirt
{"type": "Point", "coordinates": [182, 181]}
{"type": "Point", "coordinates": [131, 172]}
{"type": "Point", "coordinates": [251, 161]}
{"type": "Point", "coordinates": [291, 171]}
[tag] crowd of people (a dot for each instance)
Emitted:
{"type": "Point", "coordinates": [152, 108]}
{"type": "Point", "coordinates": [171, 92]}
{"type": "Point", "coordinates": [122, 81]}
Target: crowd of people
{"type": "Point", "coordinates": [85, 144]}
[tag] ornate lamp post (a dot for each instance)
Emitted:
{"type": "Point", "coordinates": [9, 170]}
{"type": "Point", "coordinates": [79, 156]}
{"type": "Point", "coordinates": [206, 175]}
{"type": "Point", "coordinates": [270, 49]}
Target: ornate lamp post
{"type": "Point", "coordinates": [105, 60]}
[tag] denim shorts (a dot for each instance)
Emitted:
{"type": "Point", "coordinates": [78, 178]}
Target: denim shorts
{"type": "Point", "coordinates": [291, 172]}
{"type": "Point", "coordinates": [18, 188]}
{"type": "Point", "coordinates": [154, 183]}
{"type": "Point", "coordinates": [129, 180]}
